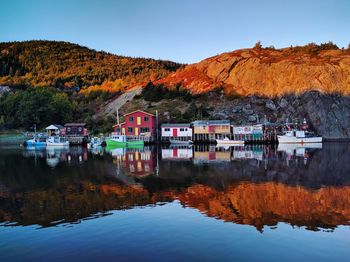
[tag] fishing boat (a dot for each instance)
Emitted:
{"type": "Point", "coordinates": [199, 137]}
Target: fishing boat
{"type": "Point", "coordinates": [180, 142]}
{"type": "Point", "coordinates": [298, 137]}
{"type": "Point", "coordinates": [116, 140]}
{"type": "Point", "coordinates": [227, 142]}
{"type": "Point", "coordinates": [38, 140]}
{"type": "Point", "coordinates": [35, 142]}
{"type": "Point", "coordinates": [57, 141]}
{"type": "Point", "coordinates": [95, 142]}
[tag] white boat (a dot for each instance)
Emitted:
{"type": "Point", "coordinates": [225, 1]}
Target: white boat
{"type": "Point", "coordinates": [227, 141]}
{"type": "Point", "coordinates": [57, 141]}
{"type": "Point", "coordinates": [95, 142]}
{"type": "Point", "coordinates": [180, 142]}
{"type": "Point", "coordinates": [298, 137]}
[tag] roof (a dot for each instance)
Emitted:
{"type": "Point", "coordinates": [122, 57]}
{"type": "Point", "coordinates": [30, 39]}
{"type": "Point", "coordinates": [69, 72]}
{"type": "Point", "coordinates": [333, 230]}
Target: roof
{"type": "Point", "coordinates": [175, 125]}
{"type": "Point", "coordinates": [210, 122]}
{"type": "Point", "coordinates": [141, 112]}
{"type": "Point", "coordinates": [54, 127]}
{"type": "Point", "coordinates": [75, 124]}
{"type": "Point", "coordinates": [118, 124]}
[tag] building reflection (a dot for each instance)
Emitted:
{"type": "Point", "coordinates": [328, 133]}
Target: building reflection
{"type": "Point", "coordinates": [138, 162]}
{"type": "Point", "coordinates": [255, 186]}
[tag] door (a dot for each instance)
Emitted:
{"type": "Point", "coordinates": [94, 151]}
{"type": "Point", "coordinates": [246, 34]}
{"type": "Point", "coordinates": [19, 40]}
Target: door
{"type": "Point", "coordinates": [136, 131]}
{"type": "Point", "coordinates": [174, 132]}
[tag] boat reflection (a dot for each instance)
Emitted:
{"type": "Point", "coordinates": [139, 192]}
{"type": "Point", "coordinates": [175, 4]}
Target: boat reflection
{"type": "Point", "coordinates": [56, 155]}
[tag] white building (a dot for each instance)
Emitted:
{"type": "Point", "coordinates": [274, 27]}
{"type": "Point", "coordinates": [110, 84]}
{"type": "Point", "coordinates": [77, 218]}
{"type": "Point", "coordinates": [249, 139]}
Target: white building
{"type": "Point", "coordinates": [177, 153]}
{"type": "Point", "coordinates": [177, 131]}
{"type": "Point", "coordinates": [54, 130]}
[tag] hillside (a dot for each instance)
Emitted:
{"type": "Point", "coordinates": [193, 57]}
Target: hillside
{"type": "Point", "coordinates": [269, 72]}
{"type": "Point", "coordinates": [67, 65]}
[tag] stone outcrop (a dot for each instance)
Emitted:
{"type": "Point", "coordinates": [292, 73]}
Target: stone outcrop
{"type": "Point", "coordinates": [327, 114]}
{"type": "Point", "coordinates": [267, 72]}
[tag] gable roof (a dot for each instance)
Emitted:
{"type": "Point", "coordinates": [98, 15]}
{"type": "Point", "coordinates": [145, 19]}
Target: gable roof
{"type": "Point", "coordinates": [175, 125]}
{"type": "Point", "coordinates": [54, 127]}
{"type": "Point", "coordinates": [141, 112]}
{"type": "Point", "coordinates": [118, 124]}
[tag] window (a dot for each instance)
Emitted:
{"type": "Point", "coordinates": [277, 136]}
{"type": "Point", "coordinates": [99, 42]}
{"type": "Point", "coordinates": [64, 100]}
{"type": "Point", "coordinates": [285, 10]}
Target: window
{"type": "Point", "coordinates": [117, 130]}
{"type": "Point", "coordinates": [182, 129]}
{"type": "Point", "coordinates": [185, 129]}
{"type": "Point", "coordinates": [80, 129]}
{"type": "Point", "coordinates": [144, 129]}
{"type": "Point", "coordinates": [146, 118]}
{"type": "Point", "coordinates": [167, 129]}
{"type": "Point", "coordinates": [129, 129]}
{"type": "Point", "coordinates": [131, 119]}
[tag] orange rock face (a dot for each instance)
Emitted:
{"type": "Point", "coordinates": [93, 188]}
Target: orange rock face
{"type": "Point", "coordinates": [267, 72]}
{"type": "Point", "coordinates": [270, 203]}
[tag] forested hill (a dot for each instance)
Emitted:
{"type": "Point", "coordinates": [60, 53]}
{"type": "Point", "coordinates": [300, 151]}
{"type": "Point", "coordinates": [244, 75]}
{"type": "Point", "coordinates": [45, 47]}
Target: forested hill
{"type": "Point", "coordinates": [67, 65]}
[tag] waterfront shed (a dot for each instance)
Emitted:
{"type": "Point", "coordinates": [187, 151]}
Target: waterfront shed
{"type": "Point", "coordinates": [180, 131]}
{"type": "Point", "coordinates": [210, 130]}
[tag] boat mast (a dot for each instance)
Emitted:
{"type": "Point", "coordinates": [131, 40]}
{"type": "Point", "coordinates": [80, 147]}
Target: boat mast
{"type": "Point", "coordinates": [117, 116]}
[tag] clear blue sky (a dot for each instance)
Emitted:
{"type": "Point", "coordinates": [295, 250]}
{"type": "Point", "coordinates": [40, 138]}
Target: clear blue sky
{"type": "Point", "coordinates": [180, 30]}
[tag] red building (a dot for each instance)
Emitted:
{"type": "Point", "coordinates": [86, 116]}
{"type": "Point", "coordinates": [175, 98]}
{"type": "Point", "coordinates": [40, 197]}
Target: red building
{"type": "Point", "coordinates": [76, 133]}
{"type": "Point", "coordinates": [137, 123]}
{"type": "Point", "coordinates": [139, 163]}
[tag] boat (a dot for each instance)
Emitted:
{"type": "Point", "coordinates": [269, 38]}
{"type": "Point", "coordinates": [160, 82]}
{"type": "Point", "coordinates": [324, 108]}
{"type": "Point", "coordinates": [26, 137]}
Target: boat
{"type": "Point", "coordinates": [57, 141]}
{"type": "Point", "coordinates": [35, 142]}
{"type": "Point", "coordinates": [180, 142]}
{"type": "Point", "coordinates": [38, 141]}
{"type": "Point", "coordinates": [116, 140]}
{"type": "Point", "coordinates": [298, 137]}
{"type": "Point", "coordinates": [95, 142]}
{"type": "Point", "coordinates": [227, 141]}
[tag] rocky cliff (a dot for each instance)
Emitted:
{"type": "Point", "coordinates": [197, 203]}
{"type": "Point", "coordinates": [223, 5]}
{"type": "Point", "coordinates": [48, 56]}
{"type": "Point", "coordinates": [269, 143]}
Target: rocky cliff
{"type": "Point", "coordinates": [269, 72]}
{"type": "Point", "coordinates": [289, 84]}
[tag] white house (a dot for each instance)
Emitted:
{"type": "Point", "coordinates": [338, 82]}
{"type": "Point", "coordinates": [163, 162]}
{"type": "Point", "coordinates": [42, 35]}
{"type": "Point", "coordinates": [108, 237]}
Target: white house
{"type": "Point", "coordinates": [179, 131]}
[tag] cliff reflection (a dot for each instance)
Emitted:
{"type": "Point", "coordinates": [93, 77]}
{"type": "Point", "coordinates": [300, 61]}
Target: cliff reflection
{"type": "Point", "coordinates": [258, 186]}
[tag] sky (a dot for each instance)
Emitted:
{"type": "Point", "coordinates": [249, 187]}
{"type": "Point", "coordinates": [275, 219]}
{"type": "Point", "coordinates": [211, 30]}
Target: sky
{"type": "Point", "coordinates": [185, 31]}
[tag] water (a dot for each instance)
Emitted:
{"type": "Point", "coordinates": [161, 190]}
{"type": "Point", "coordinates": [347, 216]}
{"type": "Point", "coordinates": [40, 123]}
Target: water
{"type": "Point", "coordinates": [175, 204]}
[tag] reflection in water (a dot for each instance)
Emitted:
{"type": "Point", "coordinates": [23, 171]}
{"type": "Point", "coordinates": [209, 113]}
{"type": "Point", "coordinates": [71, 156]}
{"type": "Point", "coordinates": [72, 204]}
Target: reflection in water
{"type": "Point", "coordinates": [253, 185]}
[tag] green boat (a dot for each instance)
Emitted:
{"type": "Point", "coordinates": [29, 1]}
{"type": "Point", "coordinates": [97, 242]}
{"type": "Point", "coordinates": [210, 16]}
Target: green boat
{"type": "Point", "coordinates": [121, 141]}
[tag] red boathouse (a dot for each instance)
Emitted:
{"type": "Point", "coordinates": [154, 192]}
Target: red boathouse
{"type": "Point", "coordinates": [138, 124]}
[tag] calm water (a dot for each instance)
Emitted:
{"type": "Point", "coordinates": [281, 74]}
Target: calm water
{"type": "Point", "coordinates": [175, 204]}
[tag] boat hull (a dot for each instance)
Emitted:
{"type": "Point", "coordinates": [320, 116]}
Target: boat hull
{"type": "Point", "coordinates": [135, 143]}
{"type": "Point", "coordinates": [113, 143]}
{"type": "Point", "coordinates": [32, 143]}
{"type": "Point", "coordinates": [298, 140]}
{"type": "Point", "coordinates": [65, 144]}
